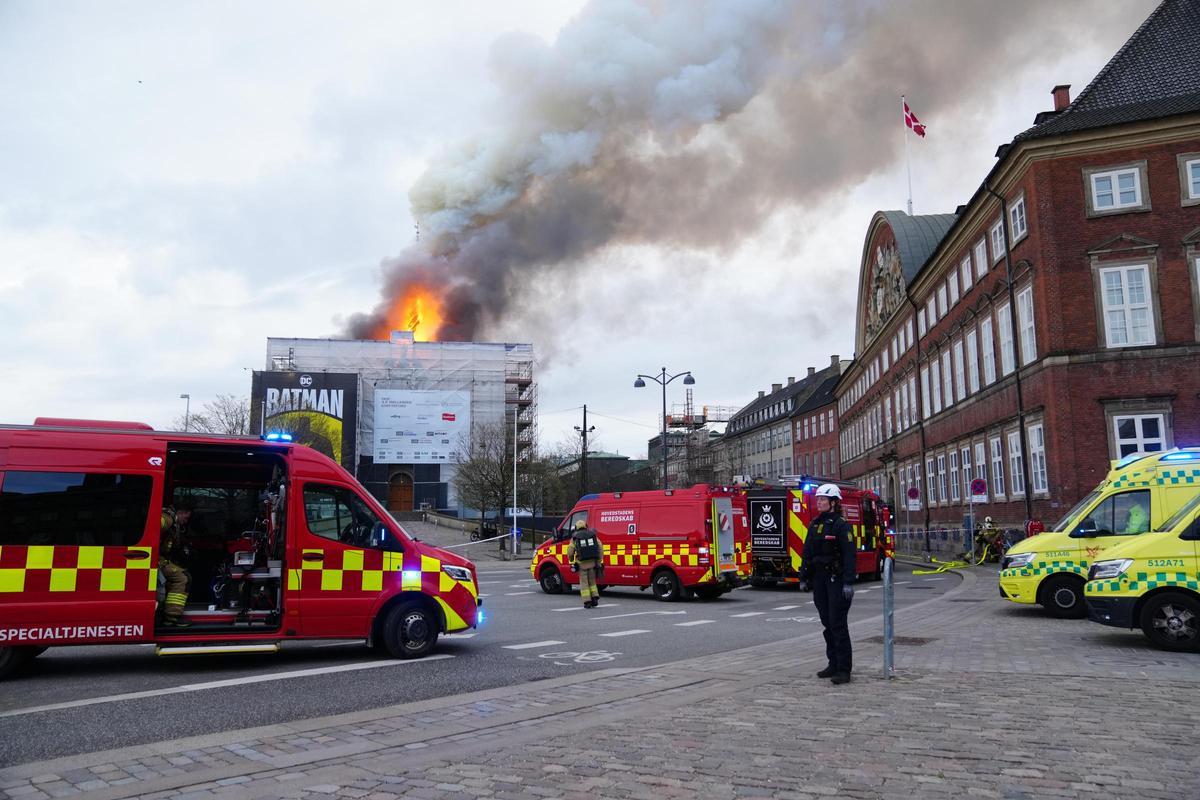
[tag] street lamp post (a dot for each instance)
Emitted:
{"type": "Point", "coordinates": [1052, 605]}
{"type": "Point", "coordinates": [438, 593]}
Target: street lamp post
{"type": "Point", "coordinates": [187, 410]}
{"type": "Point", "coordinates": [663, 379]}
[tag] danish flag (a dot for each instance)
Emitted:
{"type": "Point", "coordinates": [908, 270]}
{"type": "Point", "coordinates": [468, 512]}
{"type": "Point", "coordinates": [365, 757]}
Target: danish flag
{"type": "Point", "coordinates": [910, 119]}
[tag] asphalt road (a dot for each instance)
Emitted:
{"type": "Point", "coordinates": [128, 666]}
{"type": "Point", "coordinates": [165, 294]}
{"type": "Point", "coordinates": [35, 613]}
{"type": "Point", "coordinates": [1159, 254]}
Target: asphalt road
{"type": "Point", "coordinates": [81, 699]}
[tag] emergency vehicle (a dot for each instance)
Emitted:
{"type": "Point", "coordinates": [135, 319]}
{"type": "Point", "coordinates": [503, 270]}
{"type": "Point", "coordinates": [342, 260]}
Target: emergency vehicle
{"type": "Point", "coordinates": [678, 542]}
{"type": "Point", "coordinates": [1152, 581]}
{"type": "Point", "coordinates": [282, 544]}
{"type": "Point", "coordinates": [779, 518]}
{"type": "Point", "coordinates": [1139, 493]}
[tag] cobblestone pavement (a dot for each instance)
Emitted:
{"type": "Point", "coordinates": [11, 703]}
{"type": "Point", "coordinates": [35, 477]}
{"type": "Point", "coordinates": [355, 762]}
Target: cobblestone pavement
{"type": "Point", "coordinates": [990, 700]}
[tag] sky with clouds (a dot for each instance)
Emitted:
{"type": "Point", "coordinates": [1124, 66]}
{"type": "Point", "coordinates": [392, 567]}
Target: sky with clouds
{"type": "Point", "coordinates": [180, 181]}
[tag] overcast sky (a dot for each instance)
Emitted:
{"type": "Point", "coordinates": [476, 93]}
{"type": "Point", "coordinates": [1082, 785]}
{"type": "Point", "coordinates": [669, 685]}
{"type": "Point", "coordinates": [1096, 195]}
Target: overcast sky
{"type": "Point", "coordinates": [179, 181]}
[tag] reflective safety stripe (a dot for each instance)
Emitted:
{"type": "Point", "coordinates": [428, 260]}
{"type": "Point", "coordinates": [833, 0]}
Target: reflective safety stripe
{"type": "Point", "coordinates": [67, 569]}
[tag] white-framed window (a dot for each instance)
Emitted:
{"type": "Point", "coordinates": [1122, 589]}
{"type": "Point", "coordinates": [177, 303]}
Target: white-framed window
{"type": "Point", "coordinates": [988, 348]}
{"type": "Point", "coordinates": [952, 284]}
{"type": "Point", "coordinates": [964, 272]}
{"type": "Point", "coordinates": [1025, 326]}
{"type": "Point", "coordinates": [1037, 459]}
{"type": "Point", "coordinates": [1017, 222]}
{"type": "Point", "coordinates": [908, 334]}
{"type": "Point", "coordinates": [895, 347]}
{"type": "Point", "coordinates": [980, 462]}
{"type": "Point", "coordinates": [1120, 188]}
{"type": "Point", "coordinates": [941, 467]}
{"type": "Point", "coordinates": [972, 361]}
{"type": "Point", "coordinates": [829, 414]}
{"type": "Point", "coordinates": [1004, 326]}
{"type": "Point", "coordinates": [981, 261]}
{"type": "Point", "coordinates": [931, 481]}
{"type": "Point", "coordinates": [1191, 174]}
{"type": "Point", "coordinates": [925, 393]}
{"type": "Point", "coordinates": [954, 485]}
{"type": "Point", "coordinates": [947, 379]}
{"type": "Point", "coordinates": [1139, 433]}
{"type": "Point", "coordinates": [822, 418]}
{"type": "Point", "coordinates": [1014, 464]}
{"type": "Point", "coordinates": [931, 315]}
{"type": "Point", "coordinates": [912, 400]}
{"type": "Point", "coordinates": [996, 233]}
{"type": "Point", "coordinates": [965, 457]}
{"type": "Point", "coordinates": [997, 467]}
{"type": "Point", "coordinates": [1128, 314]}
{"type": "Point", "coordinates": [886, 362]}
{"type": "Point", "coordinates": [935, 383]}
{"type": "Point", "coordinates": [921, 321]}
{"type": "Point", "coordinates": [960, 376]}
{"type": "Point", "coordinates": [887, 417]}
{"type": "Point", "coordinates": [942, 301]}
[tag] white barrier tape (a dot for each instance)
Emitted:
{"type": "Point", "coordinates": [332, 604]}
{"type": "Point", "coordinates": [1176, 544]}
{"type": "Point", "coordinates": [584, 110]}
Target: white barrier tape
{"type": "Point", "coordinates": [480, 541]}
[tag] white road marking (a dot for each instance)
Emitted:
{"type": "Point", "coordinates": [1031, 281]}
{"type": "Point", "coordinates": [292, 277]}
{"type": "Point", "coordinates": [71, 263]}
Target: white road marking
{"type": "Point", "coordinates": [693, 622]}
{"type": "Point", "coordinates": [748, 614]}
{"type": "Point", "coordinates": [199, 687]}
{"type": "Point", "coordinates": [581, 608]}
{"type": "Point", "coordinates": [930, 580]}
{"type": "Point", "coordinates": [784, 608]}
{"type": "Point", "coordinates": [860, 591]}
{"type": "Point", "coordinates": [898, 583]}
{"type": "Point", "coordinates": [626, 633]}
{"type": "Point", "coordinates": [531, 645]}
{"type": "Point", "coordinates": [514, 594]}
{"type": "Point", "coordinates": [523, 585]}
{"type": "Point", "coordinates": [643, 614]}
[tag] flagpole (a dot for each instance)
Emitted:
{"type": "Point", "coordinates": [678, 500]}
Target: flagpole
{"type": "Point", "coordinates": [907, 163]}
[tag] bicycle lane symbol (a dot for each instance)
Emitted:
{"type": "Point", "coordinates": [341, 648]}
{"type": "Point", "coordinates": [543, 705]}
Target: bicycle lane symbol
{"type": "Point", "coordinates": [565, 659]}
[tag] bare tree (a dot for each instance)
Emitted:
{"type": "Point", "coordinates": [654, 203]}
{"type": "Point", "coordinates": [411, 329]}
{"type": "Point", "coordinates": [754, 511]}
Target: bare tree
{"type": "Point", "coordinates": [484, 476]}
{"type": "Point", "coordinates": [226, 414]}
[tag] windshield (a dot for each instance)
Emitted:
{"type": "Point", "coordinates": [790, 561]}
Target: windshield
{"type": "Point", "coordinates": [1062, 524]}
{"type": "Point", "coordinates": [1180, 515]}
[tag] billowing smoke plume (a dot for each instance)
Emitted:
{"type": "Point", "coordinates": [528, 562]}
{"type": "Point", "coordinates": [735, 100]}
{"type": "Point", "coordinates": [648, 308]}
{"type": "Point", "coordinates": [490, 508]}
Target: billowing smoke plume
{"type": "Point", "coordinates": [687, 123]}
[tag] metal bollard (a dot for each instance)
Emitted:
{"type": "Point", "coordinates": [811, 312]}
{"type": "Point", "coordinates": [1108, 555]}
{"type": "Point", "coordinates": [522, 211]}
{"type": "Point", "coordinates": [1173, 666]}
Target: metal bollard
{"type": "Point", "coordinates": [889, 632]}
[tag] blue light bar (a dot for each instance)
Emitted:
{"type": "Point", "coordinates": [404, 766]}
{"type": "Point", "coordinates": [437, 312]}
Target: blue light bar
{"type": "Point", "coordinates": [1129, 459]}
{"type": "Point", "coordinates": [277, 436]}
{"type": "Point", "coordinates": [1181, 457]}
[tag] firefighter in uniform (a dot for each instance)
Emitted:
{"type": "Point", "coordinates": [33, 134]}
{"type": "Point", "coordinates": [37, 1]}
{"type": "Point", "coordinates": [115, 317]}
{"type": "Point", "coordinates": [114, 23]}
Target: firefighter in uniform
{"type": "Point", "coordinates": [586, 555]}
{"type": "Point", "coordinates": [829, 566]}
{"type": "Point", "coordinates": [170, 554]}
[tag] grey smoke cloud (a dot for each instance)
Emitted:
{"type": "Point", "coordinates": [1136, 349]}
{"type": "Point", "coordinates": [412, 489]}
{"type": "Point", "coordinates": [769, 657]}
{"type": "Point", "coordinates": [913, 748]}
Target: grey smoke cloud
{"type": "Point", "coordinates": [685, 123]}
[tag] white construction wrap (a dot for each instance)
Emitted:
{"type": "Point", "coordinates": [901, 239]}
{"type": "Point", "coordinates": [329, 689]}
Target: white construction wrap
{"type": "Point", "coordinates": [420, 427]}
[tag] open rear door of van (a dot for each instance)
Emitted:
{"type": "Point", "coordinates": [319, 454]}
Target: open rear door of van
{"type": "Point", "coordinates": [723, 538]}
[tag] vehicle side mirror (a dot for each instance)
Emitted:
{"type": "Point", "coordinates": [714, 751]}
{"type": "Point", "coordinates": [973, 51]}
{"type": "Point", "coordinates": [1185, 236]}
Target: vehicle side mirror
{"type": "Point", "coordinates": [1086, 529]}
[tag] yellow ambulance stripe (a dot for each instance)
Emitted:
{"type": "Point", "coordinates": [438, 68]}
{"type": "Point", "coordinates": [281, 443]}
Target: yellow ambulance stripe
{"type": "Point", "coordinates": [12, 580]}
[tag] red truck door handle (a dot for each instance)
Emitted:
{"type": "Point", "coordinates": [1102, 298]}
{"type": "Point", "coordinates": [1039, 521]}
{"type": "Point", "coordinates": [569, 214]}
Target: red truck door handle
{"type": "Point", "coordinates": [314, 556]}
{"type": "Point", "coordinates": [136, 555]}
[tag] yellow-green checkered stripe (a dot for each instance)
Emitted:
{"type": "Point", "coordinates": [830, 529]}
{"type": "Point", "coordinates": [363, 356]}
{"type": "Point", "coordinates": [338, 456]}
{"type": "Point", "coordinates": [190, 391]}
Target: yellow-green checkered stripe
{"type": "Point", "coordinates": [1145, 581]}
{"type": "Point", "coordinates": [1047, 568]}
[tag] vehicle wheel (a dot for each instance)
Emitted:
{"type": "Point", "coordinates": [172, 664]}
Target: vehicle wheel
{"type": "Point", "coordinates": [708, 592]}
{"type": "Point", "coordinates": [1172, 621]}
{"type": "Point", "coordinates": [410, 630]}
{"type": "Point", "coordinates": [551, 581]}
{"type": "Point", "coordinates": [13, 658]}
{"type": "Point", "coordinates": [1062, 596]}
{"type": "Point", "coordinates": [666, 585]}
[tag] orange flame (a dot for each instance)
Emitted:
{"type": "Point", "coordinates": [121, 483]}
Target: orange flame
{"type": "Point", "coordinates": [419, 309]}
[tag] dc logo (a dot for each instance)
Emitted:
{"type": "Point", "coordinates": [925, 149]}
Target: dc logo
{"type": "Point", "coordinates": [306, 381]}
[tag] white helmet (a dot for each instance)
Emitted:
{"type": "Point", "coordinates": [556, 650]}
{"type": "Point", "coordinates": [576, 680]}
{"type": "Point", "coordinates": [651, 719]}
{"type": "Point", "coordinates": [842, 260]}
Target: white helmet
{"type": "Point", "coordinates": [829, 490]}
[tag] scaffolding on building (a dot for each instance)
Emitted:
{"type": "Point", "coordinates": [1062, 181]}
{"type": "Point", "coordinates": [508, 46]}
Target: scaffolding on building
{"type": "Point", "coordinates": [693, 459]}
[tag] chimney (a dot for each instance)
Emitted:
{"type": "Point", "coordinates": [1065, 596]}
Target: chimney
{"type": "Point", "coordinates": [835, 360]}
{"type": "Point", "coordinates": [775, 387]}
{"type": "Point", "coordinates": [811, 370]}
{"type": "Point", "coordinates": [1062, 96]}
{"type": "Point", "coordinates": [791, 379]}
{"type": "Point", "coordinates": [761, 394]}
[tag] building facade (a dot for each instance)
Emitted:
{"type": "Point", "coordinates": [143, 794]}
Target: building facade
{"type": "Point", "coordinates": [496, 380]}
{"type": "Point", "coordinates": [1052, 324]}
{"type": "Point", "coordinates": [815, 444]}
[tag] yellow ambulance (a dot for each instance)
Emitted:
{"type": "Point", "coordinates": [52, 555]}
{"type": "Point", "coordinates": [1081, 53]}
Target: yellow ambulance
{"type": "Point", "coordinates": [1139, 494]}
{"type": "Point", "coordinates": [1153, 582]}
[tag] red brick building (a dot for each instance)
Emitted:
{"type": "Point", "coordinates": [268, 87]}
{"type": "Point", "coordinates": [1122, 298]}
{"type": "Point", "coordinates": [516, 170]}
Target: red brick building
{"type": "Point", "coordinates": [814, 428]}
{"type": "Point", "coordinates": [1052, 323]}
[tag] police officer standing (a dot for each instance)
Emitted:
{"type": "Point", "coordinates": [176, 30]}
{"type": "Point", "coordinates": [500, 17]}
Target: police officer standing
{"type": "Point", "coordinates": [829, 566]}
{"type": "Point", "coordinates": [586, 555]}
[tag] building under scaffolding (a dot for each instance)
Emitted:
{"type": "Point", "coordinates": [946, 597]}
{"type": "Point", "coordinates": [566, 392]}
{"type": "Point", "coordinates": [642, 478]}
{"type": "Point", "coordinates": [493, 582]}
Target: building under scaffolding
{"type": "Point", "coordinates": [407, 457]}
{"type": "Point", "coordinates": [689, 442]}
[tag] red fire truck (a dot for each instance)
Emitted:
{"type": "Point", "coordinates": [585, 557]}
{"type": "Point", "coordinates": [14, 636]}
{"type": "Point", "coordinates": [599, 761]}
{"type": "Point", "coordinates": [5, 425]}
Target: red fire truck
{"type": "Point", "coordinates": [282, 544]}
{"type": "Point", "coordinates": [677, 542]}
{"type": "Point", "coordinates": [779, 516]}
